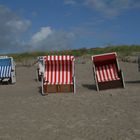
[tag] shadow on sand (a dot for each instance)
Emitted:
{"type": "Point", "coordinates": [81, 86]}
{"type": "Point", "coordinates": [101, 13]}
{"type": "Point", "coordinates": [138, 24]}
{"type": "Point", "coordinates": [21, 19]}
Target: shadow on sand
{"type": "Point", "coordinates": [40, 90]}
{"type": "Point", "coordinates": [89, 86]}
{"type": "Point", "coordinates": [133, 82]}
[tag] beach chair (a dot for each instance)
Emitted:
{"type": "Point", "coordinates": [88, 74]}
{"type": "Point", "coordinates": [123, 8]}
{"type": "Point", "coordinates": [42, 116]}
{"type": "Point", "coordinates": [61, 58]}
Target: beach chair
{"type": "Point", "coordinates": [40, 68]}
{"type": "Point", "coordinates": [7, 70]}
{"type": "Point", "coordinates": [107, 73]}
{"type": "Point", "coordinates": [58, 75]}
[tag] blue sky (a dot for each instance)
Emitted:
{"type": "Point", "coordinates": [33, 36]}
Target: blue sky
{"type": "Point", "coordinates": [40, 25]}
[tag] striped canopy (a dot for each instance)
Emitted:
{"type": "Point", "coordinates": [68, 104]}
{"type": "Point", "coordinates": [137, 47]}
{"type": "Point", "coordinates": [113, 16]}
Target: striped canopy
{"type": "Point", "coordinates": [5, 67]}
{"type": "Point", "coordinates": [59, 69]}
{"type": "Point", "coordinates": [107, 73]}
{"type": "Point", "coordinates": [106, 67]}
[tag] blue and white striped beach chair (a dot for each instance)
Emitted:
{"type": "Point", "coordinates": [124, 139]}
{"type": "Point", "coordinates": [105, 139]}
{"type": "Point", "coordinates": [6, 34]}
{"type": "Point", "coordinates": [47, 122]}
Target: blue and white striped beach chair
{"type": "Point", "coordinates": [7, 70]}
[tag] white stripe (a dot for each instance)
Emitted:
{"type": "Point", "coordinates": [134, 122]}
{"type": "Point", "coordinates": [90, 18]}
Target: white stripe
{"type": "Point", "coordinates": [53, 69]}
{"type": "Point", "coordinates": [116, 74]}
{"type": "Point", "coordinates": [57, 66]}
{"type": "Point", "coordinates": [69, 70]}
{"type": "Point", "coordinates": [109, 76]}
{"type": "Point", "coordinates": [10, 71]}
{"type": "Point", "coordinates": [98, 76]}
{"type": "Point", "coordinates": [101, 74]}
{"type": "Point", "coordinates": [5, 71]}
{"type": "Point", "coordinates": [105, 74]}
{"type": "Point", "coordinates": [111, 69]}
{"type": "Point", "coordinates": [65, 69]}
{"type": "Point", "coordinates": [72, 69]}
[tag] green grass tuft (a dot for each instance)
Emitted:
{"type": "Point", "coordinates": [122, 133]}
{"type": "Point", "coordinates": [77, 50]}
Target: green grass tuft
{"type": "Point", "coordinates": [123, 50]}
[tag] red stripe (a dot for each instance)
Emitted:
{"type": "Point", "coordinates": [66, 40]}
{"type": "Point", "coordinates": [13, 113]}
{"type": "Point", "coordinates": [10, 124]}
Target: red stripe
{"type": "Point", "coordinates": [64, 65]}
{"type": "Point", "coordinates": [70, 71]}
{"type": "Point", "coordinates": [62, 69]}
{"type": "Point", "coordinates": [55, 70]}
{"type": "Point", "coordinates": [67, 70]}
{"type": "Point", "coordinates": [59, 66]}
{"type": "Point", "coordinates": [50, 69]}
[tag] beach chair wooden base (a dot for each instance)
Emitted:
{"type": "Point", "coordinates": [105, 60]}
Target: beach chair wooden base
{"type": "Point", "coordinates": [58, 88]}
{"type": "Point", "coordinates": [65, 88]}
{"type": "Point", "coordinates": [110, 85]}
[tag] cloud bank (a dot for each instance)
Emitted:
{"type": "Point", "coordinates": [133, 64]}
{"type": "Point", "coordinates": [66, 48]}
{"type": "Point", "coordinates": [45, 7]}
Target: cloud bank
{"type": "Point", "coordinates": [11, 27]}
{"type": "Point", "coordinates": [108, 8]}
{"type": "Point", "coordinates": [13, 30]}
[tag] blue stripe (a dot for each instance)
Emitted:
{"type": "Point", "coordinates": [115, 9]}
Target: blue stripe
{"type": "Point", "coordinates": [5, 71]}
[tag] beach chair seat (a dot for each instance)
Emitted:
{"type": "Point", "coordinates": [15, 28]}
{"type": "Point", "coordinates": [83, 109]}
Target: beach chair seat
{"type": "Point", "coordinates": [58, 74]}
{"type": "Point", "coordinates": [107, 72]}
{"type": "Point", "coordinates": [7, 70]}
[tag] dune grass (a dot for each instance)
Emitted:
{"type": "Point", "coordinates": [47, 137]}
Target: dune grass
{"type": "Point", "coordinates": [123, 50]}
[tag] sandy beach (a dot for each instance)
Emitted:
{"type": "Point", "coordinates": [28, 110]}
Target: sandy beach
{"type": "Point", "coordinates": [88, 115]}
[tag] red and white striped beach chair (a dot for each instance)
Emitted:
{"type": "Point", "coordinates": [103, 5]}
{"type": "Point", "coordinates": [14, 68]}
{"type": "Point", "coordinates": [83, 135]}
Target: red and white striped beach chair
{"type": "Point", "coordinates": [59, 74]}
{"type": "Point", "coordinates": [107, 72]}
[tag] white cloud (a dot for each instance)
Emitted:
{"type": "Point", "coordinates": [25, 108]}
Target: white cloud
{"type": "Point", "coordinates": [18, 25]}
{"type": "Point", "coordinates": [50, 39]}
{"type": "Point", "coordinates": [40, 36]}
{"type": "Point", "coordinates": [12, 28]}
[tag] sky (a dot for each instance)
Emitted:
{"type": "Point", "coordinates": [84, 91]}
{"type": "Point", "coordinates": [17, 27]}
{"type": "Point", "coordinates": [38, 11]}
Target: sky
{"type": "Point", "coordinates": [46, 25]}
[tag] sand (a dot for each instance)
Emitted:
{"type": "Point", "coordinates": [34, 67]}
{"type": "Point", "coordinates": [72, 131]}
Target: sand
{"type": "Point", "coordinates": [108, 115]}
